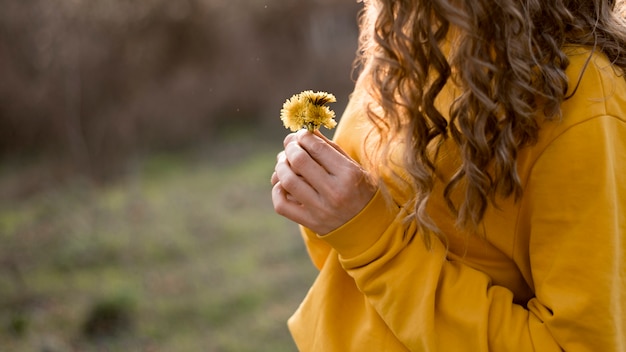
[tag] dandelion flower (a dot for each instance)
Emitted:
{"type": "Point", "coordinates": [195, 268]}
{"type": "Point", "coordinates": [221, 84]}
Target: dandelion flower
{"type": "Point", "coordinates": [308, 110]}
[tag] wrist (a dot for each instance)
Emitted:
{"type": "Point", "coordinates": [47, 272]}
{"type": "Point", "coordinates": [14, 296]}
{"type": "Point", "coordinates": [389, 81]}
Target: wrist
{"type": "Point", "coordinates": [364, 229]}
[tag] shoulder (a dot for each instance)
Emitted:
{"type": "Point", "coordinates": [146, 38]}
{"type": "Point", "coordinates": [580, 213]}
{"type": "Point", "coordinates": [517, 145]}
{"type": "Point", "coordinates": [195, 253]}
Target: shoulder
{"type": "Point", "coordinates": [592, 116]}
{"type": "Point", "coordinates": [596, 88]}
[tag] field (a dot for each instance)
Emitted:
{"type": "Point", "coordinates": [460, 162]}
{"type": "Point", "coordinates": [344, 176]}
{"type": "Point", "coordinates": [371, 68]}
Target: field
{"type": "Point", "coordinates": [182, 253]}
{"type": "Point", "coordinates": [121, 227]}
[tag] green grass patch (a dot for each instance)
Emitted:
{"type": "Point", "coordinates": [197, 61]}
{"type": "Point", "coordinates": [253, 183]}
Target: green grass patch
{"type": "Point", "coordinates": [184, 253]}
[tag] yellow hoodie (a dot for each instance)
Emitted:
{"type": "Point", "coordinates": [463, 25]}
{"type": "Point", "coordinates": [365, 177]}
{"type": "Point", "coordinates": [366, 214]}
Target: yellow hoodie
{"type": "Point", "coordinates": [548, 272]}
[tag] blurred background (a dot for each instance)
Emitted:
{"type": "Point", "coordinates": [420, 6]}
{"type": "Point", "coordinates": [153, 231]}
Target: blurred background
{"type": "Point", "coordinates": [137, 139]}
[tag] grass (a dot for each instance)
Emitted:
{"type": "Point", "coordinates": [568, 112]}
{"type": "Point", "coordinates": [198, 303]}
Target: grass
{"type": "Point", "coordinates": [184, 253]}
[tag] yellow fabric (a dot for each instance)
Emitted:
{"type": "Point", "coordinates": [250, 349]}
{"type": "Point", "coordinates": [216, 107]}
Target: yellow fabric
{"type": "Point", "coordinates": [548, 272]}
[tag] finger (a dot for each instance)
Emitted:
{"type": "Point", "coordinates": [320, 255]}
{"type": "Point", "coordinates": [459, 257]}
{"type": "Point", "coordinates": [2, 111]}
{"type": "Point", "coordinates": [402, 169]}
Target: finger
{"type": "Point", "coordinates": [285, 204]}
{"type": "Point", "coordinates": [290, 209]}
{"type": "Point", "coordinates": [306, 167]}
{"type": "Point", "coordinates": [289, 138]}
{"type": "Point", "coordinates": [275, 181]}
{"type": "Point", "coordinates": [281, 156]}
{"type": "Point", "coordinates": [278, 156]}
{"type": "Point", "coordinates": [292, 199]}
{"type": "Point", "coordinates": [327, 155]}
{"type": "Point", "coordinates": [293, 183]}
{"type": "Point", "coordinates": [284, 194]}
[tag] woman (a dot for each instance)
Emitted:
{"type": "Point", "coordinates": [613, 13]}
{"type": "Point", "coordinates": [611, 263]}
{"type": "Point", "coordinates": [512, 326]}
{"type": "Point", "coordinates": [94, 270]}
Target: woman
{"type": "Point", "coordinates": [475, 199]}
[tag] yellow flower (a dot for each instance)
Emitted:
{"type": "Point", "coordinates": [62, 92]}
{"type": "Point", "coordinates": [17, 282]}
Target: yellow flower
{"type": "Point", "coordinates": [308, 110]}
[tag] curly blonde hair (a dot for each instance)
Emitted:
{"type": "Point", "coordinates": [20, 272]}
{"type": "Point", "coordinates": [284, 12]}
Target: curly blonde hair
{"type": "Point", "coordinates": [507, 59]}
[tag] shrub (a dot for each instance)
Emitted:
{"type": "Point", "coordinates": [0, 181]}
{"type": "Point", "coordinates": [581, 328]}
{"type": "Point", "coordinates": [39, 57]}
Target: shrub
{"type": "Point", "coordinates": [109, 317]}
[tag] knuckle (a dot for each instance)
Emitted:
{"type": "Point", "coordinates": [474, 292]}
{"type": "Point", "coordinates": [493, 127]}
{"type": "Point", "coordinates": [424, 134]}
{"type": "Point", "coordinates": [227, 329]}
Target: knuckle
{"type": "Point", "coordinates": [274, 178]}
{"type": "Point", "coordinates": [317, 148]}
{"type": "Point", "coordinates": [289, 138]}
{"type": "Point", "coordinates": [337, 200]}
{"type": "Point", "coordinates": [298, 158]}
{"type": "Point", "coordinates": [350, 177]}
{"type": "Point", "coordinates": [280, 206]}
{"type": "Point", "coordinates": [289, 183]}
{"type": "Point", "coordinates": [353, 175]}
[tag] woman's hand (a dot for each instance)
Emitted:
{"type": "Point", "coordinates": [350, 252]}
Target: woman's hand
{"type": "Point", "coordinates": [317, 185]}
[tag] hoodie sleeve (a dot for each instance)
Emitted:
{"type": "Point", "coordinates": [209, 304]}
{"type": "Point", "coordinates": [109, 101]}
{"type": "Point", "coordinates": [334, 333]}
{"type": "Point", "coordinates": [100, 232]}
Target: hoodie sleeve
{"type": "Point", "coordinates": [574, 212]}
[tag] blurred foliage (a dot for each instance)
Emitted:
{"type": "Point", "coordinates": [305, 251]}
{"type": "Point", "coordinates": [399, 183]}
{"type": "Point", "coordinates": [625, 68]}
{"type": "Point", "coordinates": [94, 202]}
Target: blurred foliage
{"type": "Point", "coordinates": [94, 81]}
